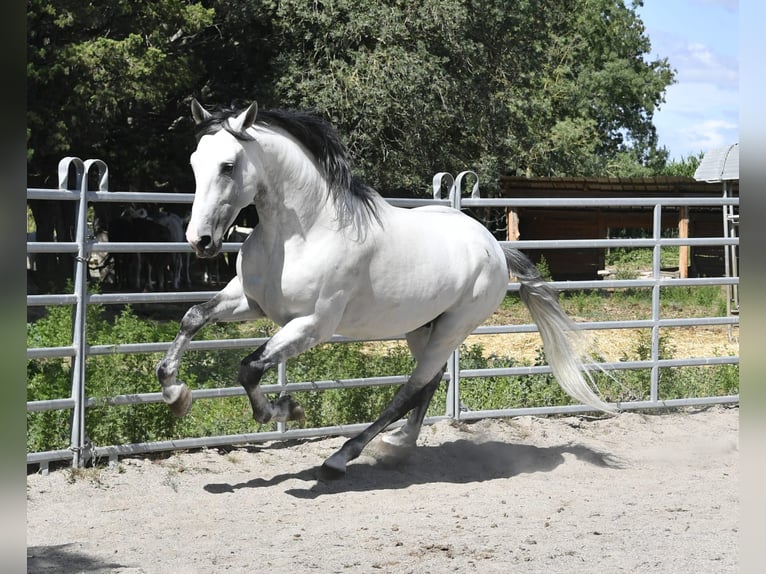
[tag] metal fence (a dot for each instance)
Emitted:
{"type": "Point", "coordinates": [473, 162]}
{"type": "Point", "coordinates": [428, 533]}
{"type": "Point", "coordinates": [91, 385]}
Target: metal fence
{"type": "Point", "coordinates": [94, 174]}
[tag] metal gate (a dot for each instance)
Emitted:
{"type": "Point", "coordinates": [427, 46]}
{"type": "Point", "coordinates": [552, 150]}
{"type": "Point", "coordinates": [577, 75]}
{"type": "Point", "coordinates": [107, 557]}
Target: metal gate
{"type": "Point", "coordinates": [94, 172]}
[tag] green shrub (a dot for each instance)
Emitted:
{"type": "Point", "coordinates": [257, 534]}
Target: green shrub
{"type": "Point", "coordinates": [111, 375]}
{"type": "Point", "coordinates": [49, 379]}
{"type": "Point", "coordinates": [686, 382]}
{"type": "Point", "coordinates": [673, 382]}
{"type": "Point", "coordinates": [544, 269]}
{"type": "Point", "coordinates": [346, 361]}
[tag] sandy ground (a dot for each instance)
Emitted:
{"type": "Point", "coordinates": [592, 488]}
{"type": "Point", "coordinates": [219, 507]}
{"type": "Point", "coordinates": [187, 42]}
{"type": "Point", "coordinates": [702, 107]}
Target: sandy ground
{"type": "Point", "coordinates": [636, 493]}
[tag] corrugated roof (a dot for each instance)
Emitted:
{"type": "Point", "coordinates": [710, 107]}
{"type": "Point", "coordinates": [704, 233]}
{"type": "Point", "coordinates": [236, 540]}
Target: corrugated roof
{"type": "Point", "coordinates": [513, 186]}
{"type": "Point", "coordinates": [719, 164]}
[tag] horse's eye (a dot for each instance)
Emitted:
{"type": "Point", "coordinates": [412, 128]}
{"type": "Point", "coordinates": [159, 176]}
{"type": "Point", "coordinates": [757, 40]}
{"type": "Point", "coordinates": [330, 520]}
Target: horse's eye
{"type": "Point", "coordinates": [227, 168]}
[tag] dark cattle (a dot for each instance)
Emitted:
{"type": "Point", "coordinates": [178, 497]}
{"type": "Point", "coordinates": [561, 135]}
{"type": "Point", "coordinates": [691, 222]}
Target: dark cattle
{"type": "Point", "coordinates": [179, 262]}
{"type": "Point", "coordinates": [140, 271]}
{"type": "Point", "coordinates": [126, 266]}
{"type": "Point", "coordinates": [208, 271]}
{"type": "Point", "coordinates": [54, 221]}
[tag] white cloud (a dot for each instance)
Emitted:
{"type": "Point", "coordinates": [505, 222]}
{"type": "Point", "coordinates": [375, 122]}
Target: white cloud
{"type": "Point", "coordinates": [696, 117]}
{"type": "Point", "coordinates": [695, 62]}
{"type": "Point", "coordinates": [708, 134]}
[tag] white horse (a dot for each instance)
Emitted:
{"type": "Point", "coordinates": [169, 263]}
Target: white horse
{"type": "Point", "coordinates": [329, 255]}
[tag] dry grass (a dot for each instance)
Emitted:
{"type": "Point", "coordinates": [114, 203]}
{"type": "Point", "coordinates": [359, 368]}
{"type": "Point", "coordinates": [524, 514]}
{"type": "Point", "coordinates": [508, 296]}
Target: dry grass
{"type": "Point", "coordinates": [616, 344]}
{"type": "Point", "coordinates": [612, 344]}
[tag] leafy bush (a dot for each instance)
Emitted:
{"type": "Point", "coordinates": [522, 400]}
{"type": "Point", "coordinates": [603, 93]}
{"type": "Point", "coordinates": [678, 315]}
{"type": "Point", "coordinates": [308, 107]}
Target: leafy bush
{"type": "Point", "coordinates": [49, 379]}
{"type": "Point", "coordinates": [347, 361]}
{"type": "Point", "coordinates": [112, 374]}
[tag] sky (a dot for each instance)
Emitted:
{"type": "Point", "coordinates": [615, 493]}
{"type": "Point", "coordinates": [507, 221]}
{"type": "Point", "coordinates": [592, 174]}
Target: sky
{"type": "Point", "coordinates": [700, 40]}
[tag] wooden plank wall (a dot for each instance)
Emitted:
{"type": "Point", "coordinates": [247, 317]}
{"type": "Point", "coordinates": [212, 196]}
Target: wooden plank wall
{"type": "Point", "coordinates": [584, 264]}
{"type": "Point", "coordinates": [601, 222]}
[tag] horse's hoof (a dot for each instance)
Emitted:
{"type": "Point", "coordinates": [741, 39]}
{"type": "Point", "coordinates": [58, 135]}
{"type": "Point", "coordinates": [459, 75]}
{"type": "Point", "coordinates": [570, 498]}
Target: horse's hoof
{"type": "Point", "coordinates": [297, 414]}
{"type": "Point", "coordinates": [179, 399]}
{"type": "Point", "coordinates": [390, 454]}
{"type": "Point", "coordinates": [398, 439]}
{"type": "Point", "coordinates": [333, 468]}
{"type": "Point", "coordinates": [289, 410]}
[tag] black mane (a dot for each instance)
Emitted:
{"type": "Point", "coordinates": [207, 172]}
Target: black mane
{"type": "Point", "coordinates": [353, 198]}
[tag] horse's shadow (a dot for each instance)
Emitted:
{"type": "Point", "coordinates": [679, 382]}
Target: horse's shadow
{"type": "Point", "coordinates": [65, 558]}
{"type": "Point", "coordinates": [457, 462]}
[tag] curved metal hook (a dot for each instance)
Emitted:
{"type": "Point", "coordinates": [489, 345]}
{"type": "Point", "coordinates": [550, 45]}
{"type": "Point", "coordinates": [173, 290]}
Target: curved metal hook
{"type": "Point", "coordinates": [438, 182]}
{"type": "Point", "coordinates": [459, 184]}
{"type": "Point", "coordinates": [63, 171]}
{"type": "Point", "coordinates": [103, 173]}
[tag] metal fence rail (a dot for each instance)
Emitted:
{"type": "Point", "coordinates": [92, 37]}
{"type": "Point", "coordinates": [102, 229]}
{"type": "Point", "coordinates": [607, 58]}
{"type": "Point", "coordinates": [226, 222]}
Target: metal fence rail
{"type": "Point", "coordinates": [80, 449]}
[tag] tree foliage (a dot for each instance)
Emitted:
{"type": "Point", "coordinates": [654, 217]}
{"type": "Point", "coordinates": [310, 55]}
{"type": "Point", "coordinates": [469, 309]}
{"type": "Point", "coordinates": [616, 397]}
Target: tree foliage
{"type": "Point", "coordinates": [539, 87]}
{"type": "Point", "coordinates": [684, 167]}
{"type": "Point", "coordinates": [105, 80]}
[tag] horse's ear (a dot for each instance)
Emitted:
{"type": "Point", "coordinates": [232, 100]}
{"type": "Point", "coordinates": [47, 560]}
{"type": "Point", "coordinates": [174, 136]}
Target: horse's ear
{"type": "Point", "coordinates": [245, 119]}
{"type": "Point", "coordinates": [199, 113]}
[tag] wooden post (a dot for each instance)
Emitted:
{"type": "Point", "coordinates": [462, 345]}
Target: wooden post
{"type": "Point", "coordinates": [683, 250]}
{"type": "Point", "coordinates": [602, 233]}
{"type": "Point", "coordinates": [513, 224]}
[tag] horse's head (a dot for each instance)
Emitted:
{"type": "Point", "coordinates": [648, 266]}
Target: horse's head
{"type": "Point", "coordinates": [225, 173]}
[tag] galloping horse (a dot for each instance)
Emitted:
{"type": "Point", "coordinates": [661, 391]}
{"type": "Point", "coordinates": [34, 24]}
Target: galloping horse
{"type": "Point", "coordinates": [329, 255]}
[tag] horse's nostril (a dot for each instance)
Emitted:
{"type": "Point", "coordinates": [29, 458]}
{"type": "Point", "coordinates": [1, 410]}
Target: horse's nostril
{"type": "Point", "coordinates": [204, 241]}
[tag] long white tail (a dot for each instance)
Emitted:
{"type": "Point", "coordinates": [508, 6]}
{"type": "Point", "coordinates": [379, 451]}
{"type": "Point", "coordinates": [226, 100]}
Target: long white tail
{"type": "Point", "coordinates": [556, 330]}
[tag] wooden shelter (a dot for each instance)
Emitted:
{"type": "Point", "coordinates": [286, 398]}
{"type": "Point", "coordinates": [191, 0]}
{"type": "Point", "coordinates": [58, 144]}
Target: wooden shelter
{"type": "Point", "coordinates": [588, 222]}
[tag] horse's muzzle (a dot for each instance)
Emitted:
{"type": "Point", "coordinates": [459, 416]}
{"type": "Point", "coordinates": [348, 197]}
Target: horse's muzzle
{"type": "Point", "coordinates": [205, 248]}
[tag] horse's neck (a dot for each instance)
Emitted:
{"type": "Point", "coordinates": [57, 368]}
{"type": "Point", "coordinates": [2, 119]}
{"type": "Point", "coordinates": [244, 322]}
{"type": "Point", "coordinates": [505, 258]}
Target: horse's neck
{"type": "Point", "coordinates": [297, 197]}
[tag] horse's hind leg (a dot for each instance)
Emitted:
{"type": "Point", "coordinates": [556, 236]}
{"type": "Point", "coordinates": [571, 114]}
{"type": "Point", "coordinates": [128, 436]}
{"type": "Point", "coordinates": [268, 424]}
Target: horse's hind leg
{"type": "Point", "coordinates": [403, 401]}
{"type": "Point", "coordinates": [229, 304]}
{"type": "Point", "coordinates": [447, 333]}
{"type": "Point", "coordinates": [407, 435]}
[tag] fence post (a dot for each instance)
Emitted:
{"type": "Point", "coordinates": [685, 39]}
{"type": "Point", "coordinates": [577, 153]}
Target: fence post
{"type": "Point", "coordinates": [78, 322]}
{"type": "Point", "coordinates": [453, 396]}
{"type": "Point", "coordinates": [458, 188]}
{"type": "Point", "coordinates": [656, 272]}
{"type": "Point", "coordinates": [452, 406]}
{"type": "Point", "coordinates": [438, 181]}
{"type": "Point", "coordinates": [80, 443]}
{"type": "Point", "coordinates": [282, 382]}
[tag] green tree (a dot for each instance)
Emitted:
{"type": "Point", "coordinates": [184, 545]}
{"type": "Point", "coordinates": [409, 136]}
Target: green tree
{"type": "Point", "coordinates": [549, 87]}
{"type": "Point", "coordinates": [378, 70]}
{"type": "Point", "coordinates": [105, 80]}
{"type": "Point", "coordinates": [684, 167]}
{"type": "Point", "coordinates": [565, 86]}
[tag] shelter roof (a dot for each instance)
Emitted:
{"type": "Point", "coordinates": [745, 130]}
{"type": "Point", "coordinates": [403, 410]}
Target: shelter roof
{"type": "Point", "coordinates": [516, 186]}
{"type": "Point", "coordinates": [719, 164]}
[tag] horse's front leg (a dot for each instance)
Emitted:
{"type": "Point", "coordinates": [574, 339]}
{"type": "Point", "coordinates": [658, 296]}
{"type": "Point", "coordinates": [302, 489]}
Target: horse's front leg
{"type": "Point", "coordinates": [296, 336]}
{"type": "Point", "coordinates": [229, 304]}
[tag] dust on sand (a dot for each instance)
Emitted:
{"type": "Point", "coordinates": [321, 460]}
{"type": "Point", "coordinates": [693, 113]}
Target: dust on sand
{"type": "Point", "coordinates": [634, 493]}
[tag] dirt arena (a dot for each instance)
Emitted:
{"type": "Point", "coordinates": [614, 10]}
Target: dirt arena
{"type": "Point", "coordinates": [636, 493]}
